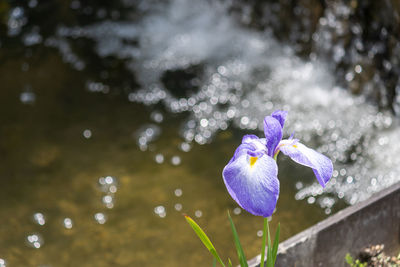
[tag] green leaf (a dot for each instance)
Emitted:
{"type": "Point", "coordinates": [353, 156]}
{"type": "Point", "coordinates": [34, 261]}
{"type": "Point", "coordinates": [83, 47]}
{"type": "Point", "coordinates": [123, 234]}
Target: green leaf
{"type": "Point", "coordinates": [276, 243]}
{"type": "Point", "coordinates": [229, 262]}
{"type": "Point", "coordinates": [204, 238]}
{"type": "Point", "coordinates": [239, 249]}
{"type": "Point", "coordinates": [214, 262]}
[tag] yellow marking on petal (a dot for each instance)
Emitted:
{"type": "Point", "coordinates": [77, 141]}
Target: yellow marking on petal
{"type": "Point", "coordinates": [295, 146]}
{"type": "Point", "coordinates": [253, 161]}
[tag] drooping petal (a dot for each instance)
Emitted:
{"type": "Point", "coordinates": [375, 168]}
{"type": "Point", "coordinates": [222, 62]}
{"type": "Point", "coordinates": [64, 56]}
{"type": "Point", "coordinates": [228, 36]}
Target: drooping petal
{"type": "Point", "coordinates": [273, 133]}
{"type": "Point", "coordinates": [321, 165]}
{"type": "Point", "coordinates": [253, 183]}
{"type": "Point", "coordinates": [280, 116]}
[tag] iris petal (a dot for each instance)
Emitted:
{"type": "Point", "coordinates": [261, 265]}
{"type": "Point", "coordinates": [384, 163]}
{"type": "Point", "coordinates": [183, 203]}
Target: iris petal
{"type": "Point", "coordinates": [255, 188]}
{"type": "Point", "coordinates": [321, 165]}
{"type": "Point", "coordinates": [251, 145]}
{"type": "Point", "coordinates": [280, 116]}
{"type": "Point", "coordinates": [249, 138]}
{"type": "Point", "coordinates": [273, 133]}
{"type": "Point", "coordinates": [243, 149]}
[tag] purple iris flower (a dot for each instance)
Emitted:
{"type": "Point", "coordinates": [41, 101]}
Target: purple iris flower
{"type": "Point", "coordinates": [251, 176]}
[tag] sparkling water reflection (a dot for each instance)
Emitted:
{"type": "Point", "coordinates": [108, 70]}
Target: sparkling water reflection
{"type": "Point", "coordinates": [241, 89]}
{"type": "Point", "coordinates": [39, 218]}
{"type": "Point", "coordinates": [35, 240]}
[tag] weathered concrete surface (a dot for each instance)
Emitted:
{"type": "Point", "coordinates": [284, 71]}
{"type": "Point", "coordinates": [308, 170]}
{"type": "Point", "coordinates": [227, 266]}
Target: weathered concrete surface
{"type": "Point", "coordinates": [374, 221]}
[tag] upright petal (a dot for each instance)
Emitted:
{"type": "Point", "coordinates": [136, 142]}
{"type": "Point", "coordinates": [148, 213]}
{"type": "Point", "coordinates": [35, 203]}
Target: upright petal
{"type": "Point", "coordinates": [280, 116]}
{"type": "Point", "coordinates": [321, 165]}
{"type": "Point", "coordinates": [273, 133]}
{"type": "Point", "coordinates": [253, 184]}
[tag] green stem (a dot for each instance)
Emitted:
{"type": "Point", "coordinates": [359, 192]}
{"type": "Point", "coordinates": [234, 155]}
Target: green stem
{"type": "Point", "coordinates": [266, 226]}
{"type": "Point", "coordinates": [264, 242]}
{"type": "Point", "coordinates": [269, 252]}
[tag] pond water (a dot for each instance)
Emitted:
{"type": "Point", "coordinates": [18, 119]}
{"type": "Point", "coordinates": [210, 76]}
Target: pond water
{"type": "Point", "coordinates": [118, 118]}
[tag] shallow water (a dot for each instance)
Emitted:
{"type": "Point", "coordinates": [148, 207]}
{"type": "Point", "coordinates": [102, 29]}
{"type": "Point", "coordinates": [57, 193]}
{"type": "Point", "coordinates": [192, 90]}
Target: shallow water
{"type": "Point", "coordinates": [114, 126]}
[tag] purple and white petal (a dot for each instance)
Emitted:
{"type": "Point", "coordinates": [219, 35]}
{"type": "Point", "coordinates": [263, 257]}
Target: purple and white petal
{"type": "Point", "coordinates": [273, 133]}
{"type": "Point", "coordinates": [249, 138]}
{"type": "Point", "coordinates": [321, 165]}
{"type": "Point", "coordinates": [256, 145]}
{"type": "Point", "coordinates": [253, 185]}
{"type": "Point", "coordinates": [242, 149]}
{"type": "Point", "coordinates": [280, 116]}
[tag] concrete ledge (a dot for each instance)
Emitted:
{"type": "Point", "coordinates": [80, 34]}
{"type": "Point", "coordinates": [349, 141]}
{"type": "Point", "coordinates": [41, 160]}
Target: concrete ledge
{"type": "Point", "coordinates": [374, 221]}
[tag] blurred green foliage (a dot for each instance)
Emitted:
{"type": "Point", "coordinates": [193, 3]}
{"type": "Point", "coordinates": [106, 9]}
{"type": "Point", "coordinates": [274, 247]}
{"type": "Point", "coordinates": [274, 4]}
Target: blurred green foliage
{"type": "Point", "coordinates": [352, 263]}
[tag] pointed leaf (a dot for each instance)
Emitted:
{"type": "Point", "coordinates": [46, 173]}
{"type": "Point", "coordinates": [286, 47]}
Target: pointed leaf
{"type": "Point", "coordinates": [204, 238]}
{"type": "Point", "coordinates": [229, 262]}
{"type": "Point", "coordinates": [239, 249]}
{"type": "Point", "coordinates": [276, 243]}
